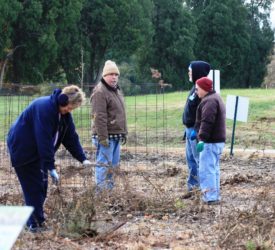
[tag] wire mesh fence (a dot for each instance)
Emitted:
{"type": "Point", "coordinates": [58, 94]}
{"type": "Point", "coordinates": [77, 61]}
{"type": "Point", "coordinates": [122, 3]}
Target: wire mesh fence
{"type": "Point", "coordinates": [150, 136]}
{"type": "Point", "coordinates": [154, 132]}
{"type": "Point", "coordinates": [150, 181]}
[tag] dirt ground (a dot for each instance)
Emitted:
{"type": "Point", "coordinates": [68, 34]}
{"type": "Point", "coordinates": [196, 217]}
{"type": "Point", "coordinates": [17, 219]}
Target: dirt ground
{"type": "Point", "coordinates": [145, 210]}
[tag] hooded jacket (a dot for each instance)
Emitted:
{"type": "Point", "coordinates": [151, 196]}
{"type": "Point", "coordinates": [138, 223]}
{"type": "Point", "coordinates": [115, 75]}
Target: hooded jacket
{"type": "Point", "coordinates": [31, 137]}
{"type": "Point", "coordinates": [199, 69]}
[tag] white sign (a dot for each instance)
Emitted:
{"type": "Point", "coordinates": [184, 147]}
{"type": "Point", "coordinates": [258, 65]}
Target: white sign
{"type": "Point", "coordinates": [12, 220]}
{"type": "Point", "coordinates": [242, 109]}
{"type": "Point", "coordinates": [214, 75]}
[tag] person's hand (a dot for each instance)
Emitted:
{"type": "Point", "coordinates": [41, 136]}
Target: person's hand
{"type": "Point", "coordinates": [87, 163]}
{"type": "Point", "coordinates": [193, 135]}
{"type": "Point", "coordinates": [55, 176]}
{"type": "Point", "coordinates": [123, 140]}
{"type": "Point", "coordinates": [104, 143]}
{"type": "Point", "coordinates": [200, 146]}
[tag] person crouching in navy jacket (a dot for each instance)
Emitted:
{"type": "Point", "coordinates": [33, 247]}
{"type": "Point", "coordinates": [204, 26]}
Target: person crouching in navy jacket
{"type": "Point", "coordinates": [33, 140]}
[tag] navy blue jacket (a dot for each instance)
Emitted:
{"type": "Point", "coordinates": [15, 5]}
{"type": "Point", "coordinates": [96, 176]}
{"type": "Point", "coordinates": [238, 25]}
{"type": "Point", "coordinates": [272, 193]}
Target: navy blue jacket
{"type": "Point", "coordinates": [31, 137]}
{"type": "Point", "coordinates": [199, 69]}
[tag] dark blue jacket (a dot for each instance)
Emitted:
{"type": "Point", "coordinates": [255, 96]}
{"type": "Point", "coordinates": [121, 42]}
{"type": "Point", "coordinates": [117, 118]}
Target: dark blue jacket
{"type": "Point", "coordinates": [31, 137]}
{"type": "Point", "coordinates": [199, 69]}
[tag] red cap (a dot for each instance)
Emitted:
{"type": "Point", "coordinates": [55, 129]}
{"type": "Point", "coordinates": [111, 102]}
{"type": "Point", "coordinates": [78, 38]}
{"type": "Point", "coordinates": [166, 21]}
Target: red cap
{"type": "Point", "coordinates": [205, 83]}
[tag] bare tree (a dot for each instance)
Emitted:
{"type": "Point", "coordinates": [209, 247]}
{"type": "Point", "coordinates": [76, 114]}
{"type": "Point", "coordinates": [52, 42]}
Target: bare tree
{"type": "Point", "coordinates": [8, 56]}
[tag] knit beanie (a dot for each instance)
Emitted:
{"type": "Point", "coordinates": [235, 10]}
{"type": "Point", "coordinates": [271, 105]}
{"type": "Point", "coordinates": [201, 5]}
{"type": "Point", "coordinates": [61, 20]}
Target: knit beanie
{"type": "Point", "coordinates": [205, 83]}
{"type": "Point", "coordinates": [110, 67]}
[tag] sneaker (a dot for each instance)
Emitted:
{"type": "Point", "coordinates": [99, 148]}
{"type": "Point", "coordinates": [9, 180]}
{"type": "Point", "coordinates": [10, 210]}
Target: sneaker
{"type": "Point", "coordinates": [38, 229]}
{"type": "Point", "coordinates": [32, 229]}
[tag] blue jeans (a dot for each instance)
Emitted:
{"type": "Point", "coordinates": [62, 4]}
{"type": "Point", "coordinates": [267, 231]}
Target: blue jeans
{"type": "Point", "coordinates": [107, 159]}
{"type": "Point", "coordinates": [209, 171]}
{"type": "Point", "coordinates": [192, 158]}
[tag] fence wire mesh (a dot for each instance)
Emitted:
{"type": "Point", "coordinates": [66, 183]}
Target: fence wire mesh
{"type": "Point", "coordinates": [150, 137]}
{"type": "Point", "coordinates": [155, 135]}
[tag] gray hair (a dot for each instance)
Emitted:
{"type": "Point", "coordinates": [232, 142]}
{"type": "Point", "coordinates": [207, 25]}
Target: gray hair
{"type": "Point", "coordinates": [75, 94]}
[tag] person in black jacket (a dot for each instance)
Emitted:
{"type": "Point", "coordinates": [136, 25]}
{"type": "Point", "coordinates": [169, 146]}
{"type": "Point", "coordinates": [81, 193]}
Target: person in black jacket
{"type": "Point", "coordinates": [197, 69]}
{"type": "Point", "coordinates": [33, 140]}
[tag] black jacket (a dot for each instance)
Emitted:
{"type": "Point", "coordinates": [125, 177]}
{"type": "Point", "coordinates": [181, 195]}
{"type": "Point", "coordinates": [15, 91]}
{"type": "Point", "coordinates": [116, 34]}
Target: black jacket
{"type": "Point", "coordinates": [199, 69]}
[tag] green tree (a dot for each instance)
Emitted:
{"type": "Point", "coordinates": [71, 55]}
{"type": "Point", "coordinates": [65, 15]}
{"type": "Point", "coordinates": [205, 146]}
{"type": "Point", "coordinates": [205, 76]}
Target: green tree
{"type": "Point", "coordinates": [139, 62]}
{"type": "Point", "coordinates": [197, 6]}
{"type": "Point", "coordinates": [9, 12]}
{"type": "Point", "coordinates": [223, 39]}
{"type": "Point", "coordinates": [113, 30]}
{"type": "Point", "coordinates": [173, 41]}
{"type": "Point", "coordinates": [35, 29]}
{"type": "Point", "coordinates": [68, 37]}
{"type": "Point", "coordinates": [261, 41]}
{"type": "Point", "coordinates": [235, 37]}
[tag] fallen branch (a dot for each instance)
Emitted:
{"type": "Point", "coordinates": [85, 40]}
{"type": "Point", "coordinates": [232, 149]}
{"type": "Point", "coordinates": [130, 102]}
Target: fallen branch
{"type": "Point", "coordinates": [108, 234]}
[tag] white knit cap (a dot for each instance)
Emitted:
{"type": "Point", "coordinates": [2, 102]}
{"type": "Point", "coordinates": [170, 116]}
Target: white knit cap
{"type": "Point", "coordinates": [110, 67]}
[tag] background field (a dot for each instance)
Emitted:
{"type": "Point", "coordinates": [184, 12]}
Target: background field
{"type": "Point", "coordinates": [155, 120]}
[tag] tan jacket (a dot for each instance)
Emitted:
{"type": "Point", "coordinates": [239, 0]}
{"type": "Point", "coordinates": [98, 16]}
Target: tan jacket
{"type": "Point", "coordinates": [108, 112]}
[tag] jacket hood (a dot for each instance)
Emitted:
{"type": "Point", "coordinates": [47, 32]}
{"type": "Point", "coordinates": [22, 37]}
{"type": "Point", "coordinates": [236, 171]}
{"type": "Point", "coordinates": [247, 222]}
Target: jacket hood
{"type": "Point", "coordinates": [54, 96]}
{"type": "Point", "coordinates": [199, 69]}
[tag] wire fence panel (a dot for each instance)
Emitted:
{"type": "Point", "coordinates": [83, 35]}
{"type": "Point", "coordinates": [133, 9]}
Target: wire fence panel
{"type": "Point", "coordinates": [150, 135]}
{"type": "Point", "coordinates": [154, 132]}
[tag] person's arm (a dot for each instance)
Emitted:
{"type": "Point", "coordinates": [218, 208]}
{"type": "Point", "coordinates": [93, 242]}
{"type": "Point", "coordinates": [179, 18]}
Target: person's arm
{"type": "Point", "coordinates": [71, 141]}
{"type": "Point", "coordinates": [43, 125]}
{"type": "Point", "coordinates": [208, 118]}
{"type": "Point", "coordinates": [100, 116]}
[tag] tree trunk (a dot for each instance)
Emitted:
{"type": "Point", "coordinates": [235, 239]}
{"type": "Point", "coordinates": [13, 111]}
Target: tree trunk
{"type": "Point", "coordinates": [8, 56]}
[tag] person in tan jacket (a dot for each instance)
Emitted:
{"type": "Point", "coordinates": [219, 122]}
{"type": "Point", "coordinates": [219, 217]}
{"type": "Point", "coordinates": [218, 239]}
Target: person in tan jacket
{"type": "Point", "coordinates": [109, 128]}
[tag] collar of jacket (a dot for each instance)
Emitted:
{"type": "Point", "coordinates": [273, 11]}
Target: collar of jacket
{"type": "Point", "coordinates": [108, 86]}
{"type": "Point", "coordinates": [210, 93]}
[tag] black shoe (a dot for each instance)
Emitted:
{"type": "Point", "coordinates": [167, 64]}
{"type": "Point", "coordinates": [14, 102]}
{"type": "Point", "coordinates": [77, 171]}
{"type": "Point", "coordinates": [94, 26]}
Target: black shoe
{"type": "Point", "coordinates": [212, 202]}
{"type": "Point", "coordinates": [190, 194]}
{"type": "Point", "coordinates": [187, 195]}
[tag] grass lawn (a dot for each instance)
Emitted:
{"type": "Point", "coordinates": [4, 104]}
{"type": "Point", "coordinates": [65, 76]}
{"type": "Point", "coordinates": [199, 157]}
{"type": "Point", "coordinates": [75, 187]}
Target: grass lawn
{"type": "Point", "coordinates": [155, 120]}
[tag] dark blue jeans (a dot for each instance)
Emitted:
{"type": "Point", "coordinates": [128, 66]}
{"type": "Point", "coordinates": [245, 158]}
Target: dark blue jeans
{"type": "Point", "coordinates": [34, 182]}
{"type": "Point", "coordinates": [192, 158]}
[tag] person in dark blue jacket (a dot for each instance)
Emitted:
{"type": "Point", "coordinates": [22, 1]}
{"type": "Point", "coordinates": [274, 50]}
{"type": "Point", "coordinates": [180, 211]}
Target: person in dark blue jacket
{"type": "Point", "coordinates": [197, 69]}
{"type": "Point", "coordinates": [33, 140]}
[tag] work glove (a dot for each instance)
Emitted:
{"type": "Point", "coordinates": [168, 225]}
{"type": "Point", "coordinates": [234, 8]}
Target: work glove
{"type": "Point", "coordinates": [123, 140]}
{"type": "Point", "coordinates": [200, 146]}
{"type": "Point", "coordinates": [193, 135]}
{"type": "Point", "coordinates": [104, 143]}
{"type": "Point", "coordinates": [55, 177]}
{"type": "Point", "coordinates": [86, 163]}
